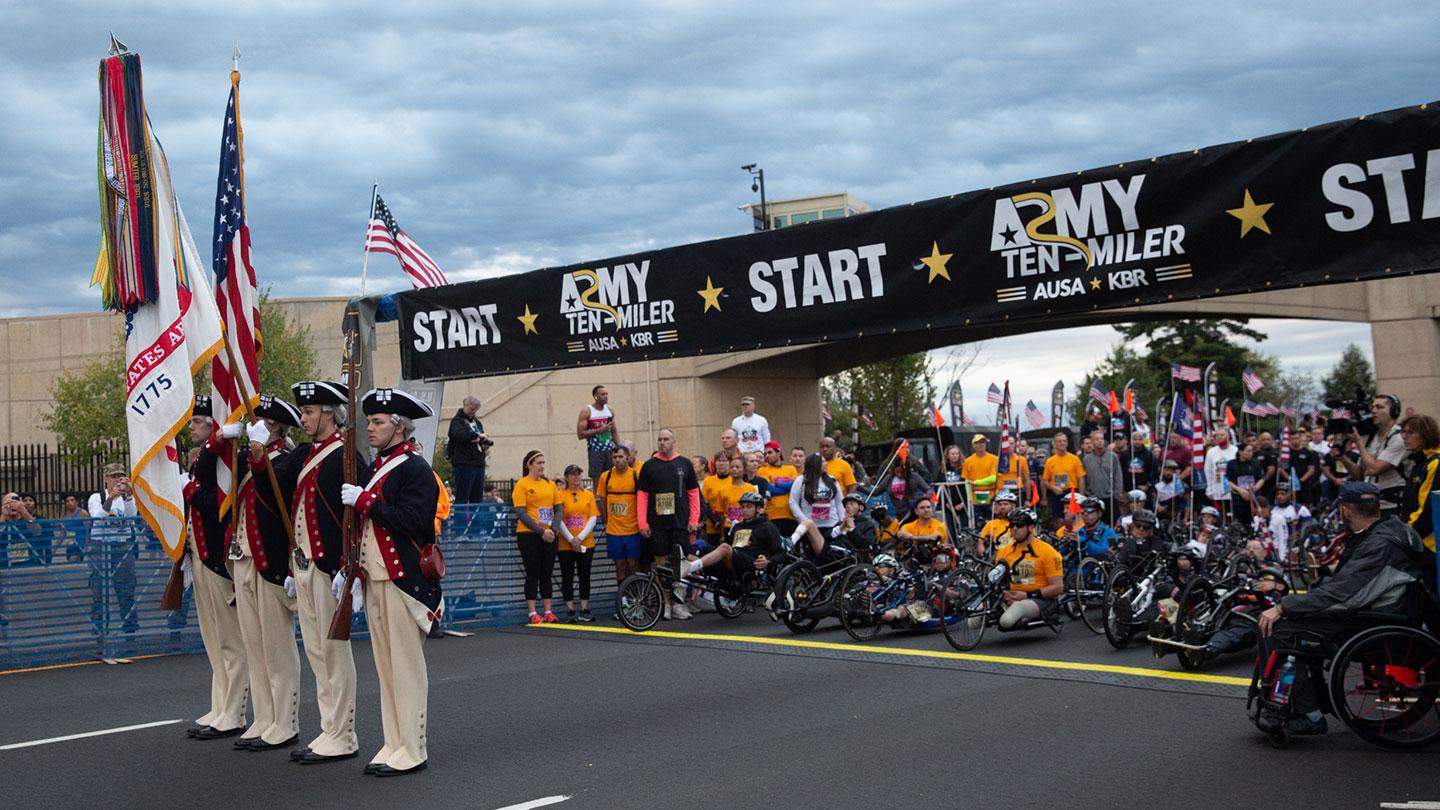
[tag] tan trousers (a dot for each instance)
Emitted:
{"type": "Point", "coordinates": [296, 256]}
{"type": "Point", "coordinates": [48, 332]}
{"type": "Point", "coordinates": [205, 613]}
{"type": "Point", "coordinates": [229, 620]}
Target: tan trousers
{"type": "Point", "coordinates": [220, 630]}
{"type": "Point", "coordinates": [332, 663]}
{"type": "Point", "coordinates": [398, 645]}
{"type": "Point", "coordinates": [268, 627]}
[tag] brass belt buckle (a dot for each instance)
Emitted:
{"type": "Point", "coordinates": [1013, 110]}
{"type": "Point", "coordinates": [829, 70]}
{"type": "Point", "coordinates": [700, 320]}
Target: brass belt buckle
{"type": "Point", "coordinates": [301, 564]}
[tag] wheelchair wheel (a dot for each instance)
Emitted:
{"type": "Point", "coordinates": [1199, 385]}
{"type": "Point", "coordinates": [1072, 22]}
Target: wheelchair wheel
{"type": "Point", "coordinates": [639, 602]}
{"type": "Point", "coordinates": [795, 592]}
{"type": "Point", "coordinates": [963, 610]}
{"type": "Point", "coordinates": [856, 605]}
{"type": "Point", "coordinates": [728, 605]}
{"type": "Point", "coordinates": [1117, 596]}
{"type": "Point", "coordinates": [1088, 588]}
{"type": "Point", "coordinates": [1194, 613]}
{"type": "Point", "coordinates": [1384, 685]}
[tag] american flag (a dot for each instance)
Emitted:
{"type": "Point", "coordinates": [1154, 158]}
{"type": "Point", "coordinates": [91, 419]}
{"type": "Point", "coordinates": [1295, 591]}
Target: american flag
{"type": "Point", "coordinates": [824, 412]}
{"type": "Point", "coordinates": [1099, 393]}
{"type": "Point", "coordinates": [1259, 408]}
{"type": "Point", "coordinates": [386, 237]}
{"type": "Point", "coordinates": [966, 420]}
{"type": "Point", "coordinates": [1339, 413]}
{"type": "Point", "coordinates": [1185, 373]}
{"type": "Point", "coordinates": [235, 293]}
{"type": "Point", "coordinates": [1288, 411]}
{"type": "Point", "coordinates": [994, 395]}
{"type": "Point", "coordinates": [1033, 415]}
{"type": "Point", "coordinates": [1252, 380]}
{"type": "Point", "coordinates": [1003, 465]}
{"type": "Point", "coordinates": [867, 417]}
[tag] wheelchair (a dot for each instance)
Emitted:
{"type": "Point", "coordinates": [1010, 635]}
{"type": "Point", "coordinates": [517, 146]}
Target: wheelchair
{"type": "Point", "coordinates": [641, 598]}
{"type": "Point", "coordinates": [1382, 681]}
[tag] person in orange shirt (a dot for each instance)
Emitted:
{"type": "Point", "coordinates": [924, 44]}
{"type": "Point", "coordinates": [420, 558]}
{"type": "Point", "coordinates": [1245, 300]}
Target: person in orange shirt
{"type": "Point", "coordinates": [837, 467]}
{"type": "Point", "coordinates": [536, 521]}
{"type": "Point", "coordinates": [1063, 472]}
{"type": "Point", "coordinates": [980, 466]}
{"type": "Point", "coordinates": [710, 495]}
{"type": "Point", "coordinates": [781, 476]}
{"type": "Point", "coordinates": [577, 530]}
{"type": "Point", "coordinates": [1036, 572]}
{"type": "Point", "coordinates": [615, 492]}
{"type": "Point", "coordinates": [729, 494]}
{"type": "Point", "coordinates": [924, 529]}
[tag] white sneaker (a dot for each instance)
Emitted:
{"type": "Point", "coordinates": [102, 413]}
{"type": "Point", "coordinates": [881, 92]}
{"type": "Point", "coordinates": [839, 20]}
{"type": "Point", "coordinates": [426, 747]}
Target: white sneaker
{"type": "Point", "coordinates": [665, 612]}
{"type": "Point", "coordinates": [680, 613]}
{"type": "Point", "coordinates": [703, 604]}
{"type": "Point", "coordinates": [682, 569]}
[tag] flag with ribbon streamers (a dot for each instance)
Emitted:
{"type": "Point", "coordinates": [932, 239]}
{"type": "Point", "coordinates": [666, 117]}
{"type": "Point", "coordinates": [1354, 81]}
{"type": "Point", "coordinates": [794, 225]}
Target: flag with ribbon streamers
{"type": "Point", "coordinates": [150, 271]}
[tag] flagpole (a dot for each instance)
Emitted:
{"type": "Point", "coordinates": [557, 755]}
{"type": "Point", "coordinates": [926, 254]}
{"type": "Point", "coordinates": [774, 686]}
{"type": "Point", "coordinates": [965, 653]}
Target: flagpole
{"type": "Point", "coordinates": [365, 262]}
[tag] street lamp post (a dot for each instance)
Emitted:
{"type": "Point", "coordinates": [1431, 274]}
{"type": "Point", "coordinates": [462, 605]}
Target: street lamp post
{"type": "Point", "coordinates": [758, 184]}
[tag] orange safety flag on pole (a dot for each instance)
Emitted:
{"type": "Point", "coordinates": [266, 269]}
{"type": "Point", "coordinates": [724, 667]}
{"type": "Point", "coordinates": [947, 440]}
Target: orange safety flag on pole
{"type": "Point", "coordinates": [903, 451]}
{"type": "Point", "coordinates": [1034, 494]}
{"type": "Point", "coordinates": [1074, 507]}
{"type": "Point", "coordinates": [1229, 417]}
{"type": "Point", "coordinates": [935, 418]}
{"type": "Point", "coordinates": [1114, 404]}
{"type": "Point", "coordinates": [1129, 400]}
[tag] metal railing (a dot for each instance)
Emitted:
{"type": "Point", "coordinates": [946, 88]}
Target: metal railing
{"type": "Point", "coordinates": [81, 589]}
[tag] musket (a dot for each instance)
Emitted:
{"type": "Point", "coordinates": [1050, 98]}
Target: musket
{"type": "Point", "coordinates": [350, 523]}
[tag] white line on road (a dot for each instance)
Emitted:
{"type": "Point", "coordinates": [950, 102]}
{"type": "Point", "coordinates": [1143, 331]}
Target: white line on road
{"type": "Point", "coordinates": [99, 733]}
{"type": "Point", "coordinates": [530, 805]}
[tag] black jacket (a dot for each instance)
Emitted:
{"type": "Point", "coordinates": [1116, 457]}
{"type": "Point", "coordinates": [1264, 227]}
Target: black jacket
{"type": "Point", "coordinates": [274, 530]}
{"type": "Point", "coordinates": [461, 440]}
{"type": "Point", "coordinates": [1375, 570]}
{"type": "Point", "coordinates": [203, 497]}
{"type": "Point", "coordinates": [864, 537]}
{"type": "Point", "coordinates": [323, 512]}
{"type": "Point", "coordinates": [405, 507]}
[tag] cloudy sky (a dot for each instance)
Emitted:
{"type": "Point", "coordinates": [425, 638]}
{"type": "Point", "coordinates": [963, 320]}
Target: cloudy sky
{"type": "Point", "coordinates": [513, 136]}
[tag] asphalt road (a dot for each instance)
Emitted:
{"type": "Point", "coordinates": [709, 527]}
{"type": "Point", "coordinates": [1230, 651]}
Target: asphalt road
{"type": "Point", "coordinates": [619, 720]}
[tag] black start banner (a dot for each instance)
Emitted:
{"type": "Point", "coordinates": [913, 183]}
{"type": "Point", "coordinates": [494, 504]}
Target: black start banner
{"type": "Point", "coordinates": [1347, 201]}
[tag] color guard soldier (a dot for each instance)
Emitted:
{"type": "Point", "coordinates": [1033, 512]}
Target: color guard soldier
{"type": "Point", "coordinates": [264, 594]}
{"type": "Point", "coordinates": [397, 506]}
{"type": "Point", "coordinates": [211, 582]}
{"type": "Point", "coordinates": [314, 472]}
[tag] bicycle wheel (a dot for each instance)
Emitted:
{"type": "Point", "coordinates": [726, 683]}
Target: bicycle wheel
{"type": "Point", "coordinates": [963, 610]}
{"type": "Point", "coordinates": [1117, 604]}
{"type": "Point", "coordinates": [856, 604]}
{"type": "Point", "coordinates": [727, 604]}
{"type": "Point", "coordinates": [1384, 683]}
{"type": "Point", "coordinates": [1192, 619]}
{"type": "Point", "coordinates": [1089, 592]}
{"type": "Point", "coordinates": [795, 593]}
{"type": "Point", "coordinates": [639, 602]}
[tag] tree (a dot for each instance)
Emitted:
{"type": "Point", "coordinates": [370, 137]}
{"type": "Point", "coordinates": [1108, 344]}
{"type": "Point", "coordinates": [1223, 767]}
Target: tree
{"type": "Point", "coordinates": [1351, 372]}
{"type": "Point", "coordinates": [897, 393]}
{"type": "Point", "coordinates": [88, 406]}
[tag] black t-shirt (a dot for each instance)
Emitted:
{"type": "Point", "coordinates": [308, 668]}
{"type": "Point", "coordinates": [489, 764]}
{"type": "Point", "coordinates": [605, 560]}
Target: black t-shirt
{"type": "Point", "coordinates": [668, 484]}
{"type": "Point", "coordinates": [1337, 467]}
{"type": "Point", "coordinates": [1269, 460]}
{"type": "Point", "coordinates": [1244, 474]}
{"type": "Point", "coordinates": [1302, 461]}
{"type": "Point", "coordinates": [1119, 424]}
{"type": "Point", "coordinates": [1138, 467]}
{"type": "Point", "coordinates": [754, 537]}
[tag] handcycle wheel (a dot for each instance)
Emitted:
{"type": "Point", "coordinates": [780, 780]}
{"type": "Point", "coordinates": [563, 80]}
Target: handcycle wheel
{"type": "Point", "coordinates": [964, 611]}
{"type": "Point", "coordinates": [1117, 588]}
{"type": "Point", "coordinates": [1384, 684]}
{"type": "Point", "coordinates": [728, 605]}
{"type": "Point", "coordinates": [1197, 602]}
{"type": "Point", "coordinates": [1089, 591]}
{"type": "Point", "coordinates": [639, 602]}
{"type": "Point", "coordinates": [856, 605]}
{"type": "Point", "coordinates": [794, 592]}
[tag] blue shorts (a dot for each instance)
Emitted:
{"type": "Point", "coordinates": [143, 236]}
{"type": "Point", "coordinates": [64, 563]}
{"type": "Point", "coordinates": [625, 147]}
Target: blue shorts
{"type": "Point", "coordinates": [623, 546]}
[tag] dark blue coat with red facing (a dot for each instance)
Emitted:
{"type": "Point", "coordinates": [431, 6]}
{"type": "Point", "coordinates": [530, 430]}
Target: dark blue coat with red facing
{"type": "Point", "coordinates": [402, 509]}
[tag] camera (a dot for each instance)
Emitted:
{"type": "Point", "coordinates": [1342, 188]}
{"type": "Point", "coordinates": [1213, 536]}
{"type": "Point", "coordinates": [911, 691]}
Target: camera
{"type": "Point", "coordinates": [486, 443]}
{"type": "Point", "coordinates": [1361, 419]}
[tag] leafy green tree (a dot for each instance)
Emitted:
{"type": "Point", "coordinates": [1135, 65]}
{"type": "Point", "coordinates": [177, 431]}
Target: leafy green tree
{"type": "Point", "coordinates": [1352, 371]}
{"type": "Point", "coordinates": [897, 392]}
{"type": "Point", "coordinates": [88, 410]}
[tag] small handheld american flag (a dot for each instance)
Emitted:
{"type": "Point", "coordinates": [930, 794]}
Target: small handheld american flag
{"type": "Point", "coordinates": [1252, 380]}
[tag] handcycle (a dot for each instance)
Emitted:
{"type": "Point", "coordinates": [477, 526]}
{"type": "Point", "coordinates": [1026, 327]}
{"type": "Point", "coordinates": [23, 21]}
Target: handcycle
{"type": "Point", "coordinates": [1383, 681]}
{"type": "Point", "coordinates": [866, 596]}
{"type": "Point", "coordinates": [1203, 608]}
{"type": "Point", "coordinates": [1129, 595]}
{"type": "Point", "coordinates": [806, 590]}
{"type": "Point", "coordinates": [640, 600]}
{"type": "Point", "coordinates": [971, 603]}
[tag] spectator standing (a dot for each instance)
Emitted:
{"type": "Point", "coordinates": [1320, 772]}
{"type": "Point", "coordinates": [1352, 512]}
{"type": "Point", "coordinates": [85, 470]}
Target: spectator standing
{"type": "Point", "coordinates": [1102, 471]}
{"type": "Point", "coordinates": [114, 551]}
{"type": "Point", "coordinates": [1063, 473]}
{"type": "Point", "coordinates": [1318, 445]}
{"type": "Point", "coordinates": [952, 471]}
{"type": "Point", "coordinates": [837, 467]}
{"type": "Point", "coordinates": [1422, 474]}
{"type": "Point", "coordinates": [1242, 475]}
{"type": "Point", "coordinates": [668, 507]}
{"type": "Point", "coordinates": [536, 532]}
{"type": "Point", "coordinates": [1381, 455]}
{"type": "Point", "coordinates": [1178, 450]}
{"type": "Point", "coordinates": [730, 443]}
{"type": "Point", "coordinates": [752, 429]}
{"type": "Point", "coordinates": [615, 490]}
{"type": "Point", "coordinates": [466, 446]}
{"type": "Point", "coordinates": [596, 428]}
{"type": "Point", "coordinates": [1217, 457]}
{"type": "Point", "coordinates": [906, 488]}
{"type": "Point", "coordinates": [18, 532]}
{"type": "Point", "coordinates": [1268, 455]}
{"type": "Point", "coordinates": [781, 477]}
{"type": "Point", "coordinates": [980, 466]}
{"type": "Point", "coordinates": [577, 526]}
{"type": "Point", "coordinates": [1138, 464]}
{"type": "Point", "coordinates": [490, 496]}
{"type": "Point", "coordinates": [1305, 464]}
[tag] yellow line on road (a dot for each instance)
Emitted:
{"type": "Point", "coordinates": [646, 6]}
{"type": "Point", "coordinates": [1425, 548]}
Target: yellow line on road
{"type": "Point", "coordinates": [73, 664]}
{"type": "Point", "coordinates": [1041, 663]}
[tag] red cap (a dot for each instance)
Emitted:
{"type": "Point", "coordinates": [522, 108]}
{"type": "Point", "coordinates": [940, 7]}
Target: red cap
{"type": "Point", "coordinates": [772, 445]}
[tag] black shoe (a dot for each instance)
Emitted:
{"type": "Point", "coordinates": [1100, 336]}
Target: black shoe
{"type": "Point", "coordinates": [1302, 726]}
{"type": "Point", "coordinates": [244, 743]}
{"type": "Point", "coordinates": [261, 745]}
{"type": "Point", "coordinates": [194, 730]}
{"type": "Point", "coordinates": [373, 767]}
{"type": "Point", "coordinates": [585, 616]}
{"type": "Point", "coordinates": [569, 617]}
{"type": "Point", "coordinates": [386, 770]}
{"type": "Point", "coordinates": [435, 631]}
{"type": "Point", "coordinates": [211, 733]}
{"type": "Point", "coordinates": [298, 753]}
{"type": "Point", "coordinates": [312, 758]}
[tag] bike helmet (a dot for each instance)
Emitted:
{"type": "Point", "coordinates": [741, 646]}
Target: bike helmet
{"type": "Point", "coordinates": [1005, 495]}
{"type": "Point", "coordinates": [752, 497]}
{"type": "Point", "coordinates": [886, 561]}
{"type": "Point", "coordinates": [1136, 495]}
{"type": "Point", "coordinates": [1092, 503]}
{"type": "Point", "coordinates": [1211, 511]}
{"type": "Point", "coordinates": [946, 557]}
{"type": "Point", "coordinates": [1143, 516]}
{"type": "Point", "coordinates": [1022, 517]}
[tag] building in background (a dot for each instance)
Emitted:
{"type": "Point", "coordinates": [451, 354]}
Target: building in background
{"type": "Point", "coordinates": [800, 210]}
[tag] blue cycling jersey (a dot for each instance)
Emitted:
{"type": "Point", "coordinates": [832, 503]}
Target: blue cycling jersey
{"type": "Point", "coordinates": [1097, 541]}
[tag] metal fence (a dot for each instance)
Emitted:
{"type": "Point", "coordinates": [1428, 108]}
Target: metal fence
{"type": "Point", "coordinates": [72, 590]}
{"type": "Point", "coordinates": [50, 474]}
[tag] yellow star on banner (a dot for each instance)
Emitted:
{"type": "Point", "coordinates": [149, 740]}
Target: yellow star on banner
{"type": "Point", "coordinates": [1095, 283]}
{"type": "Point", "coordinates": [711, 294]}
{"type": "Point", "coordinates": [936, 262]}
{"type": "Point", "coordinates": [528, 320]}
{"type": "Point", "coordinates": [1250, 215]}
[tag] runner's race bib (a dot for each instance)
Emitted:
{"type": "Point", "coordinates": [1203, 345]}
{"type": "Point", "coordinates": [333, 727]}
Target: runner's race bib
{"type": "Point", "coordinates": [1062, 480]}
{"type": "Point", "coordinates": [741, 538]}
{"type": "Point", "coordinates": [545, 515]}
{"type": "Point", "coordinates": [574, 523]}
{"type": "Point", "coordinates": [733, 513]}
{"type": "Point", "coordinates": [1245, 481]}
{"type": "Point", "coordinates": [619, 508]}
{"type": "Point", "coordinates": [665, 503]}
{"type": "Point", "coordinates": [819, 512]}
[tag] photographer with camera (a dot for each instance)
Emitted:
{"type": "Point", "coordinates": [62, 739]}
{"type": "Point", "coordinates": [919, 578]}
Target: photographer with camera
{"type": "Point", "coordinates": [1381, 454]}
{"type": "Point", "coordinates": [465, 445]}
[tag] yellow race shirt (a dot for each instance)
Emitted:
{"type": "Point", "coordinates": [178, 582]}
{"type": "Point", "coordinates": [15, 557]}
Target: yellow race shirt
{"type": "Point", "coordinates": [1031, 569]}
{"type": "Point", "coordinates": [841, 471]}
{"type": "Point", "coordinates": [931, 526]}
{"type": "Point", "coordinates": [617, 492]}
{"type": "Point", "coordinates": [778, 507]}
{"type": "Point", "coordinates": [977, 468]}
{"type": "Point", "coordinates": [538, 499]}
{"type": "Point", "coordinates": [577, 506]}
{"type": "Point", "coordinates": [1019, 470]}
{"type": "Point", "coordinates": [728, 495]}
{"type": "Point", "coordinates": [1064, 471]}
{"type": "Point", "coordinates": [998, 530]}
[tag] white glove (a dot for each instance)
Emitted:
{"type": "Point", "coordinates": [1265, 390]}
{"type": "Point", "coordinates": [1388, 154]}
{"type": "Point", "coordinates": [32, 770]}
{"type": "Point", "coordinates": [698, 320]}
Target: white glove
{"type": "Point", "coordinates": [290, 587]}
{"type": "Point", "coordinates": [337, 585]}
{"type": "Point", "coordinates": [189, 578]}
{"type": "Point", "coordinates": [349, 494]}
{"type": "Point", "coordinates": [357, 596]}
{"type": "Point", "coordinates": [183, 478]}
{"type": "Point", "coordinates": [230, 431]}
{"type": "Point", "coordinates": [258, 433]}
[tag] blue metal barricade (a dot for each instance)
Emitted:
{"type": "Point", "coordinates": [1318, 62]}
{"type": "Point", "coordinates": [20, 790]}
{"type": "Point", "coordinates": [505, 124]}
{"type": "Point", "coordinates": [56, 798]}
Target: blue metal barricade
{"type": "Point", "coordinates": [74, 590]}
